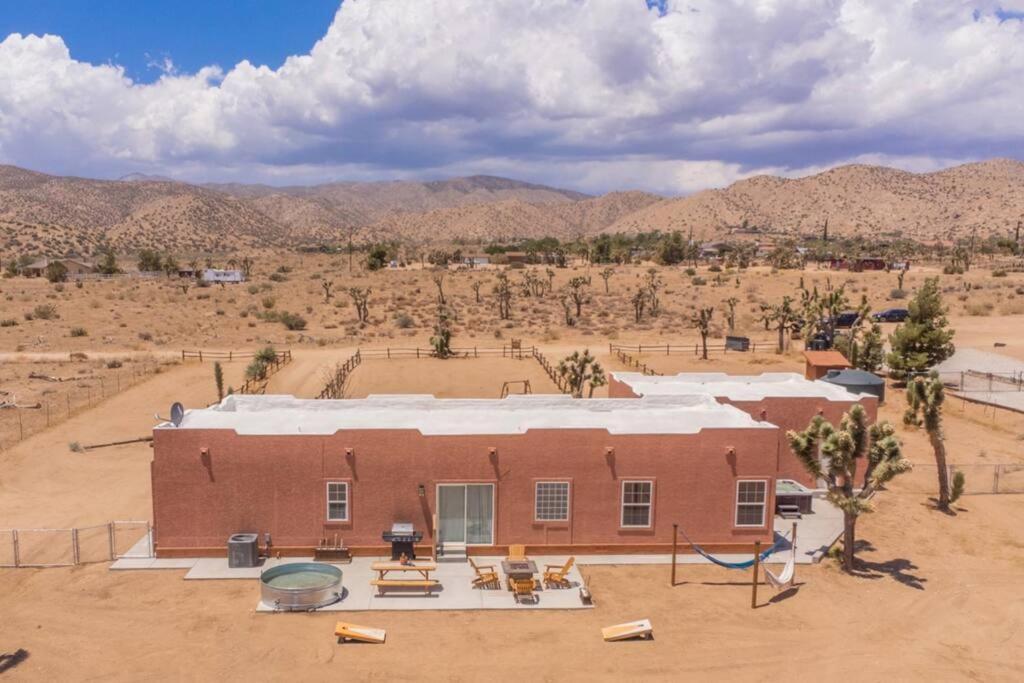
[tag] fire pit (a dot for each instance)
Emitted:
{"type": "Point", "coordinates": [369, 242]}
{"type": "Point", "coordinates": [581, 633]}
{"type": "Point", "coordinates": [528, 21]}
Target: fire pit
{"type": "Point", "coordinates": [403, 539]}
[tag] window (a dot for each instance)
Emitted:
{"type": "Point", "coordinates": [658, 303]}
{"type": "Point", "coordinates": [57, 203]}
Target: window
{"type": "Point", "coordinates": [551, 503]}
{"type": "Point", "coordinates": [750, 502]}
{"type": "Point", "coordinates": [636, 503]}
{"type": "Point", "coordinates": [337, 501]}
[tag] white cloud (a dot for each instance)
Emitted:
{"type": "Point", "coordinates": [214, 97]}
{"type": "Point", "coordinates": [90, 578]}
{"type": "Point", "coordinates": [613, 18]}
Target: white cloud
{"type": "Point", "coordinates": [594, 94]}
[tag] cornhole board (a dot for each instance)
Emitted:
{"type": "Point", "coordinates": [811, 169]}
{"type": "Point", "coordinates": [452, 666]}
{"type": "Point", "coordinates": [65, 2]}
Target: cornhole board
{"type": "Point", "coordinates": [363, 634]}
{"type": "Point", "coordinates": [632, 629]}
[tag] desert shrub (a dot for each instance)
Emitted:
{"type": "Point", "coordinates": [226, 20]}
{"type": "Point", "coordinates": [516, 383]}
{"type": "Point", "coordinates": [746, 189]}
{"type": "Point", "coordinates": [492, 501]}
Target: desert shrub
{"type": "Point", "coordinates": [114, 364]}
{"type": "Point", "coordinates": [8, 322]}
{"type": "Point", "coordinates": [79, 332]}
{"type": "Point", "coordinates": [284, 269]}
{"type": "Point", "coordinates": [292, 321]}
{"type": "Point", "coordinates": [44, 312]}
{"type": "Point", "coordinates": [267, 354]}
{"type": "Point", "coordinates": [979, 308]}
{"type": "Point", "coordinates": [952, 270]}
{"type": "Point", "coordinates": [253, 289]}
{"type": "Point", "coordinates": [897, 294]}
{"type": "Point", "coordinates": [257, 369]}
{"type": "Point", "coordinates": [269, 302]}
{"type": "Point", "coordinates": [698, 281]}
{"type": "Point", "coordinates": [78, 355]}
{"type": "Point", "coordinates": [998, 272]}
{"type": "Point", "coordinates": [690, 272]}
{"type": "Point", "coordinates": [403, 321]}
{"type": "Point", "coordinates": [277, 277]}
{"type": "Point", "coordinates": [146, 336]}
{"type": "Point", "coordinates": [715, 268]}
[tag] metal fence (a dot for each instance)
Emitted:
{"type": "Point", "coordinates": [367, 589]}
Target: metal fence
{"type": "Point", "coordinates": [991, 382]}
{"type": "Point", "coordinates": [978, 479]}
{"type": "Point", "coordinates": [69, 397]}
{"type": "Point", "coordinates": [76, 545]}
{"type": "Point", "coordinates": [693, 349]}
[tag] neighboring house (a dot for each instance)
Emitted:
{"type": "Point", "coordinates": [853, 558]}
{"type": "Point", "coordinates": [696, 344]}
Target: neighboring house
{"type": "Point", "coordinates": [229, 276]}
{"type": "Point", "coordinates": [477, 260]}
{"type": "Point", "coordinates": [560, 475]}
{"type": "Point", "coordinates": [784, 399]}
{"type": "Point", "coordinates": [73, 266]}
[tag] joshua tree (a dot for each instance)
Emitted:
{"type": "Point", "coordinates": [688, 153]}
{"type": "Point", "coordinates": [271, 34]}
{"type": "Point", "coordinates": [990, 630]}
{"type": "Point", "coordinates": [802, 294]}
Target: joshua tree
{"type": "Point", "coordinates": [782, 315]}
{"type": "Point", "coordinates": [328, 285]}
{"type": "Point", "coordinates": [476, 285]}
{"type": "Point", "coordinates": [832, 454]}
{"type": "Point", "coordinates": [639, 301]}
{"type": "Point", "coordinates": [731, 303]}
{"type": "Point", "coordinates": [551, 279]}
{"type": "Point", "coordinates": [581, 370]}
{"type": "Point", "coordinates": [218, 378]}
{"type": "Point", "coordinates": [438, 278]}
{"type": "Point", "coordinates": [606, 275]}
{"type": "Point", "coordinates": [702, 321]}
{"type": "Point", "coordinates": [503, 295]}
{"type": "Point", "coordinates": [361, 298]}
{"type": "Point", "coordinates": [653, 283]}
{"type": "Point", "coordinates": [567, 308]}
{"type": "Point", "coordinates": [577, 290]}
{"type": "Point", "coordinates": [900, 274]}
{"type": "Point", "coordinates": [184, 287]}
{"type": "Point", "coordinates": [247, 264]}
{"type": "Point", "coordinates": [442, 338]}
{"type": "Point", "coordinates": [925, 397]}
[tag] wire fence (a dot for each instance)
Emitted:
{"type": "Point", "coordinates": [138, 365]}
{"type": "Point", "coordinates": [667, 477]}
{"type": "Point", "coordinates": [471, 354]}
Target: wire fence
{"type": "Point", "coordinates": [76, 545]}
{"type": "Point", "coordinates": [979, 478]}
{"type": "Point", "coordinates": [335, 387]}
{"type": "Point", "coordinates": [990, 382]}
{"type": "Point", "coordinates": [695, 348]}
{"type": "Point", "coordinates": [65, 397]}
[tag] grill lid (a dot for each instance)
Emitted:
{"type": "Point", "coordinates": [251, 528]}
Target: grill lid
{"type": "Point", "coordinates": [402, 528]}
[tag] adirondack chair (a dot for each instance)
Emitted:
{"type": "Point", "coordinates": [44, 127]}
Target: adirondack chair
{"type": "Point", "coordinates": [516, 552]}
{"type": "Point", "coordinates": [557, 575]}
{"type": "Point", "coordinates": [522, 588]}
{"type": "Point", "coordinates": [486, 575]}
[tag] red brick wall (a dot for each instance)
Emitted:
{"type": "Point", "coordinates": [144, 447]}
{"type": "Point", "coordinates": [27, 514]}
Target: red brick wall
{"type": "Point", "coordinates": [278, 483]}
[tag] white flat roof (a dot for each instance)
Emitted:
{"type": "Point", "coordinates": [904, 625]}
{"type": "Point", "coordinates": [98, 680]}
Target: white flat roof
{"type": "Point", "coordinates": [734, 387]}
{"type": "Point", "coordinates": [281, 414]}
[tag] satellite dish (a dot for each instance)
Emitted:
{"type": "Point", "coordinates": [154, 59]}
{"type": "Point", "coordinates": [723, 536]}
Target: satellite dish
{"type": "Point", "coordinates": [177, 414]}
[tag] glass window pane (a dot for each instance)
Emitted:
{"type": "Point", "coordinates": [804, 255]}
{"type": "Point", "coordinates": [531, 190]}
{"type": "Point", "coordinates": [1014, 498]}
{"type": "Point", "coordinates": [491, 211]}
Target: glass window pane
{"type": "Point", "coordinates": [479, 513]}
{"type": "Point", "coordinates": [552, 501]}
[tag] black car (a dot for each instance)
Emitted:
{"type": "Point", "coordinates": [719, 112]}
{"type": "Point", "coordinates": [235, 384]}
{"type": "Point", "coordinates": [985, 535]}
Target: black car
{"type": "Point", "coordinates": [846, 320]}
{"type": "Point", "coordinates": [891, 315]}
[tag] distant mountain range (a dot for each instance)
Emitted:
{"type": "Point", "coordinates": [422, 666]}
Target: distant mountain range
{"type": "Point", "coordinates": [55, 215]}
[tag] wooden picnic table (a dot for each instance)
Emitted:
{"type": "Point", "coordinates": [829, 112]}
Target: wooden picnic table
{"type": "Point", "coordinates": [384, 568]}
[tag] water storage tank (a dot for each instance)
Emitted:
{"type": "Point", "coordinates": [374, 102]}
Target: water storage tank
{"type": "Point", "coordinates": [243, 550]}
{"type": "Point", "coordinates": [858, 381]}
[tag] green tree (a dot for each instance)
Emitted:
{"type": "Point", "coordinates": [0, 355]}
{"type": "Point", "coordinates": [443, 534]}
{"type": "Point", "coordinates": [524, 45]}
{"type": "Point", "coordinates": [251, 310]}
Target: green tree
{"type": "Point", "coordinates": [56, 272]}
{"type": "Point", "coordinates": [862, 344]}
{"type": "Point", "coordinates": [108, 263]}
{"type": "Point", "coordinates": [377, 257]}
{"type": "Point", "coordinates": [578, 292]}
{"type": "Point", "coordinates": [925, 339]}
{"type": "Point", "coordinates": [702, 321]}
{"type": "Point", "coordinates": [581, 370]}
{"type": "Point", "coordinates": [671, 250]}
{"type": "Point", "coordinates": [442, 337]}
{"type": "Point", "coordinates": [782, 315]}
{"type": "Point", "coordinates": [925, 397]}
{"type": "Point", "coordinates": [218, 378]}
{"type": "Point", "coordinates": [833, 454]}
{"type": "Point", "coordinates": [150, 261]}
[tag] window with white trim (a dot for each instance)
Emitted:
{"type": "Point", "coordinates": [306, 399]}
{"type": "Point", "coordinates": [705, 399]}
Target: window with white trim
{"type": "Point", "coordinates": [337, 501]}
{"type": "Point", "coordinates": [751, 497]}
{"type": "Point", "coordinates": [551, 501]}
{"type": "Point", "coordinates": [636, 503]}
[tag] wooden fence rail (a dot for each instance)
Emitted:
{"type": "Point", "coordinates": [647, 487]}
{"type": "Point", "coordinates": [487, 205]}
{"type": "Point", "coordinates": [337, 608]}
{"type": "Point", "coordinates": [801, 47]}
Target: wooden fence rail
{"type": "Point", "coordinates": [690, 349]}
{"type": "Point", "coordinates": [335, 388]}
{"type": "Point", "coordinates": [632, 362]}
{"type": "Point", "coordinates": [258, 385]}
{"type": "Point", "coordinates": [229, 356]}
{"type": "Point", "coordinates": [552, 371]}
{"type": "Point", "coordinates": [508, 351]}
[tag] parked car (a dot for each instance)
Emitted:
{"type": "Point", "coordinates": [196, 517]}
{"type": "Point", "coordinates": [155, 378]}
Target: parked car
{"type": "Point", "coordinates": [843, 320]}
{"type": "Point", "coordinates": [891, 315]}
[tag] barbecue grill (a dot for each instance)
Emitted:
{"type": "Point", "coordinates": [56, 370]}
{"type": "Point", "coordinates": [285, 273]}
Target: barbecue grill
{"type": "Point", "coordinates": [403, 539]}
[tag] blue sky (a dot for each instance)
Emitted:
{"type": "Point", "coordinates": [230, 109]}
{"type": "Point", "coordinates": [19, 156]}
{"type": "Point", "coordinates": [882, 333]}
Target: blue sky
{"type": "Point", "coordinates": [139, 34]}
{"type": "Point", "coordinates": [672, 96]}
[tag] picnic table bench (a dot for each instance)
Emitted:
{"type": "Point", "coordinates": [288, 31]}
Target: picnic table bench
{"type": "Point", "coordinates": [422, 568]}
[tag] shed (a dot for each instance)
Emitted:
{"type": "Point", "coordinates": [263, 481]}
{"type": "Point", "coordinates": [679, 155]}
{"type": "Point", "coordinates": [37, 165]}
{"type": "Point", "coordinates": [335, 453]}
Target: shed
{"type": "Point", "coordinates": [215, 275]}
{"type": "Point", "coordinates": [818, 363]}
{"type": "Point", "coordinates": [858, 382]}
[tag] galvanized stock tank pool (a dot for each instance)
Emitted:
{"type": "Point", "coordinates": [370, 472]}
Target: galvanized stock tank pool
{"type": "Point", "coordinates": [300, 586]}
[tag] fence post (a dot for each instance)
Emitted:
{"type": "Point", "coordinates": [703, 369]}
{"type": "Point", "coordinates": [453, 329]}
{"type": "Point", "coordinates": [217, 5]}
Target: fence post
{"type": "Point", "coordinates": [149, 536]}
{"type": "Point", "coordinates": [110, 540]}
{"type": "Point", "coordinates": [14, 543]}
{"type": "Point", "coordinates": [74, 547]}
{"type": "Point", "coordinates": [995, 478]}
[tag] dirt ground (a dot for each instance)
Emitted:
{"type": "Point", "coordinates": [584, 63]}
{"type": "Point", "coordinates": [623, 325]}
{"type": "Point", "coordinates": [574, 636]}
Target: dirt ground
{"type": "Point", "coordinates": [938, 597]}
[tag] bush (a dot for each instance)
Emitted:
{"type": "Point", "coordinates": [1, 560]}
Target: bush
{"type": "Point", "coordinates": [269, 302]}
{"type": "Point", "coordinates": [44, 312]}
{"type": "Point", "coordinates": [698, 281]}
{"type": "Point", "coordinates": [690, 272]}
{"type": "Point", "coordinates": [266, 355]}
{"type": "Point", "coordinates": [79, 332]}
{"type": "Point", "coordinates": [897, 294]}
{"type": "Point", "coordinates": [715, 268]}
{"type": "Point", "coordinates": [998, 272]}
{"type": "Point", "coordinates": [8, 322]}
{"type": "Point", "coordinates": [114, 364]}
{"type": "Point", "coordinates": [146, 336]}
{"type": "Point", "coordinates": [292, 321]}
{"type": "Point", "coordinates": [403, 321]}
{"type": "Point", "coordinates": [277, 277]}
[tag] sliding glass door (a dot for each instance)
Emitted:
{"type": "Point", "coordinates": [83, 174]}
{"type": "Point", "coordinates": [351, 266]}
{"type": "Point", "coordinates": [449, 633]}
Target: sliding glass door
{"type": "Point", "coordinates": [466, 513]}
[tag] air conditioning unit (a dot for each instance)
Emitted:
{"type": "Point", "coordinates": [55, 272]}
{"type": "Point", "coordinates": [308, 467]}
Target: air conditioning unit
{"type": "Point", "coordinates": [243, 550]}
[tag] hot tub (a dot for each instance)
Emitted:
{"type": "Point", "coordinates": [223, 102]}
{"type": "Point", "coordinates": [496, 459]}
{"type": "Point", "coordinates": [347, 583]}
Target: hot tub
{"type": "Point", "coordinates": [300, 586]}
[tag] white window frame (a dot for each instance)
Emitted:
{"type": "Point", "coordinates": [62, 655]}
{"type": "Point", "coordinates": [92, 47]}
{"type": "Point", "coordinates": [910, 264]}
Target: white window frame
{"type": "Point", "coordinates": [347, 501]}
{"type": "Point", "coordinates": [536, 500]}
{"type": "Point", "coordinates": [763, 504]}
{"type": "Point", "coordinates": [649, 504]}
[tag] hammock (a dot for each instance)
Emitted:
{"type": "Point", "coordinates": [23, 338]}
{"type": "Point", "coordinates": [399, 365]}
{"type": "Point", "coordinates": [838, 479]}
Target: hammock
{"type": "Point", "coordinates": [784, 577]}
{"type": "Point", "coordinates": [746, 564]}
